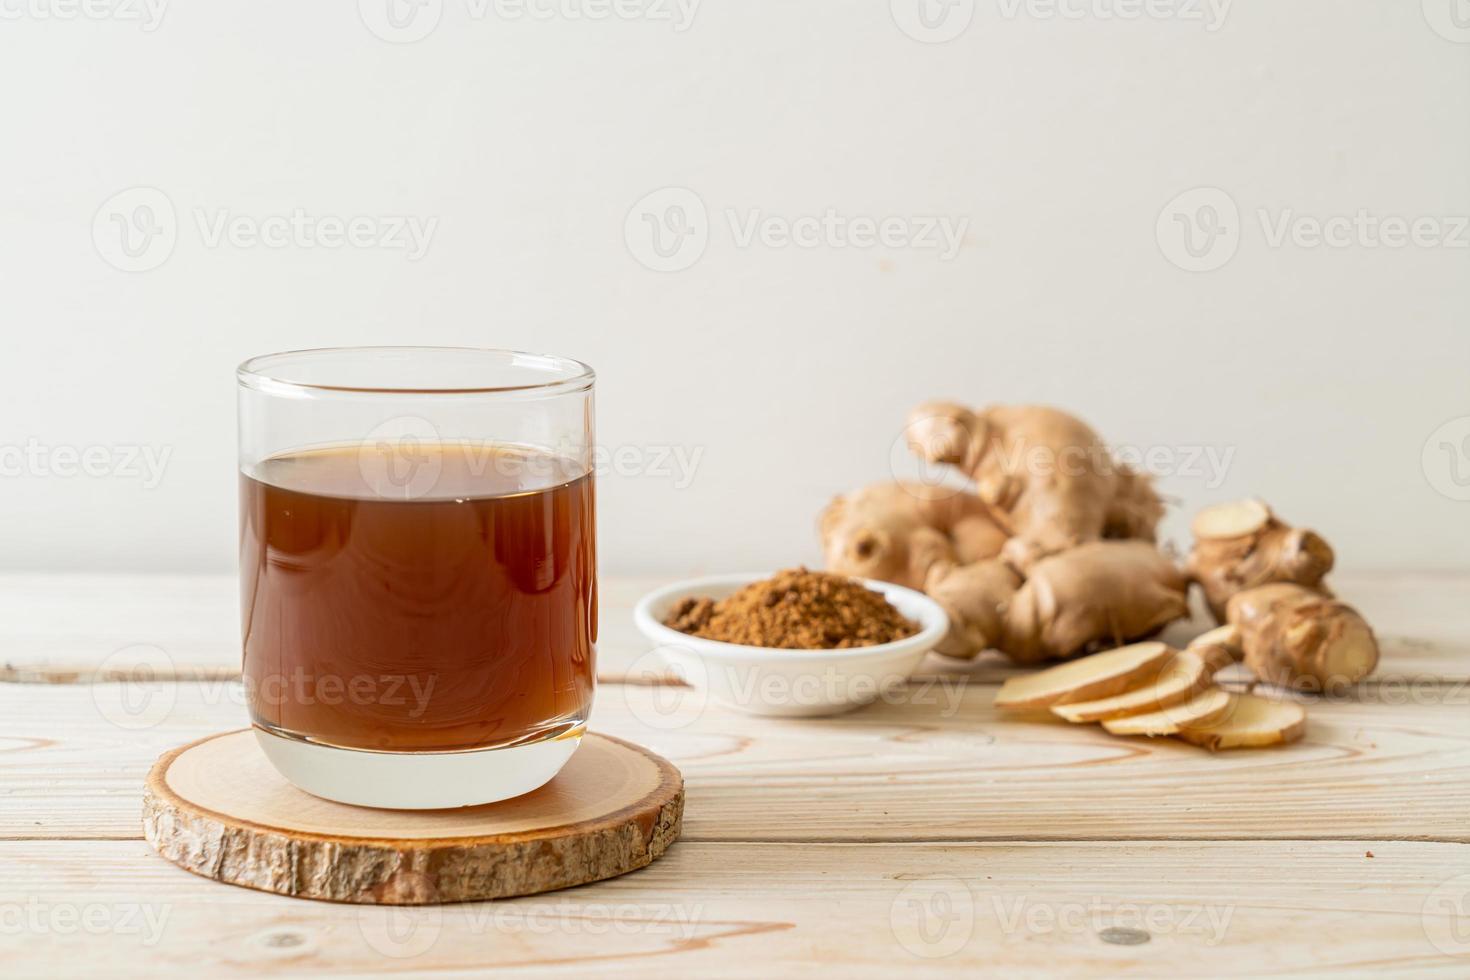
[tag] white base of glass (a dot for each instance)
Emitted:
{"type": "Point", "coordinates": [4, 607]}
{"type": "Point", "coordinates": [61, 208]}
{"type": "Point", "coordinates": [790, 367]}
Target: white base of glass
{"type": "Point", "coordinates": [416, 780]}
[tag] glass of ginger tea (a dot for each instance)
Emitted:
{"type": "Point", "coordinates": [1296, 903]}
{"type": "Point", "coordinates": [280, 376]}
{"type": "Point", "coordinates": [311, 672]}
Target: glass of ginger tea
{"type": "Point", "coordinates": [418, 573]}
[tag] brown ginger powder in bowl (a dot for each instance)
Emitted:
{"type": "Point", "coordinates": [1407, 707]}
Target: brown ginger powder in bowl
{"type": "Point", "coordinates": [795, 610]}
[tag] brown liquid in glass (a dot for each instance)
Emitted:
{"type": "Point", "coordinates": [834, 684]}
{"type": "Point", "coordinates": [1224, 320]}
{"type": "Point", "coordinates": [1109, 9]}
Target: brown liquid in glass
{"type": "Point", "coordinates": [462, 617]}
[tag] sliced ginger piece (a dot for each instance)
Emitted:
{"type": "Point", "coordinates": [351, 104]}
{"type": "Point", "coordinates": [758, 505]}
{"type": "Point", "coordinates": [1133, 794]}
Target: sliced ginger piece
{"type": "Point", "coordinates": [1101, 675]}
{"type": "Point", "coordinates": [1181, 679]}
{"type": "Point", "coordinates": [1203, 708]}
{"type": "Point", "coordinates": [1233, 520]}
{"type": "Point", "coordinates": [1249, 722]}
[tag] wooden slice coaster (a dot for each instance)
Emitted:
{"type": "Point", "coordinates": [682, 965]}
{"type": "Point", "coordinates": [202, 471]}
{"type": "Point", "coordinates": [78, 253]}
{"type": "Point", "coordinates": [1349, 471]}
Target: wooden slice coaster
{"type": "Point", "coordinates": [218, 809]}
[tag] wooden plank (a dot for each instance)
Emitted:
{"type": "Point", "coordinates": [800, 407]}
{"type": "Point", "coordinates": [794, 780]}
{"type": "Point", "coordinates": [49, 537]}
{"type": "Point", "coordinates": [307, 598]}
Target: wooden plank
{"type": "Point", "coordinates": [873, 910]}
{"type": "Point", "coordinates": [63, 627]}
{"type": "Point", "coordinates": [938, 763]}
{"type": "Point", "coordinates": [72, 624]}
{"type": "Point", "coordinates": [944, 765]}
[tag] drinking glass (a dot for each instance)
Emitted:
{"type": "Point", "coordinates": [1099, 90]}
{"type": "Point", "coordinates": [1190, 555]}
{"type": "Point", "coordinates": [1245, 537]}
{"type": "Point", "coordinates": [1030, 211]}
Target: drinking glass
{"type": "Point", "coordinates": [418, 569]}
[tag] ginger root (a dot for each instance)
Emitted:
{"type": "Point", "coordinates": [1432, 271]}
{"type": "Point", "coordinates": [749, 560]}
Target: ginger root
{"type": "Point", "coordinates": [1296, 637]}
{"type": "Point", "coordinates": [1241, 545]}
{"type": "Point", "coordinates": [896, 532]}
{"type": "Point", "coordinates": [1047, 471]}
{"type": "Point", "coordinates": [1112, 591]}
{"type": "Point", "coordinates": [976, 598]}
{"type": "Point", "coordinates": [1026, 564]}
{"type": "Point", "coordinates": [1265, 579]}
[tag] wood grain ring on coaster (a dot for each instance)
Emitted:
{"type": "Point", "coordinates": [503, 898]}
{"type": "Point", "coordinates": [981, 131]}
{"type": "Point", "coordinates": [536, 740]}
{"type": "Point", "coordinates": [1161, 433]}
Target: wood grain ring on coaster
{"type": "Point", "coordinates": [217, 808]}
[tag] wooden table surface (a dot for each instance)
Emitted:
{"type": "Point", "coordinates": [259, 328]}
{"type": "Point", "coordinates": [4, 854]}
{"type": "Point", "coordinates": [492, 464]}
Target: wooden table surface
{"type": "Point", "coordinates": [923, 833]}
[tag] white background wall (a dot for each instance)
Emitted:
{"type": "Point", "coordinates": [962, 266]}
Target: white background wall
{"type": "Point", "coordinates": [1325, 370]}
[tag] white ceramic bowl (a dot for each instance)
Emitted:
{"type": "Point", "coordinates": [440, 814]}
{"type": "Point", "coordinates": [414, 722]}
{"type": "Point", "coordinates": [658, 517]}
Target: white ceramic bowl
{"type": "Point", "coordinates": [788, 683]}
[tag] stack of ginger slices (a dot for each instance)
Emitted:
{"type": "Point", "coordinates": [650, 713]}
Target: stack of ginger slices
{"type": "Point", "coordinates": [1152, 689]}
